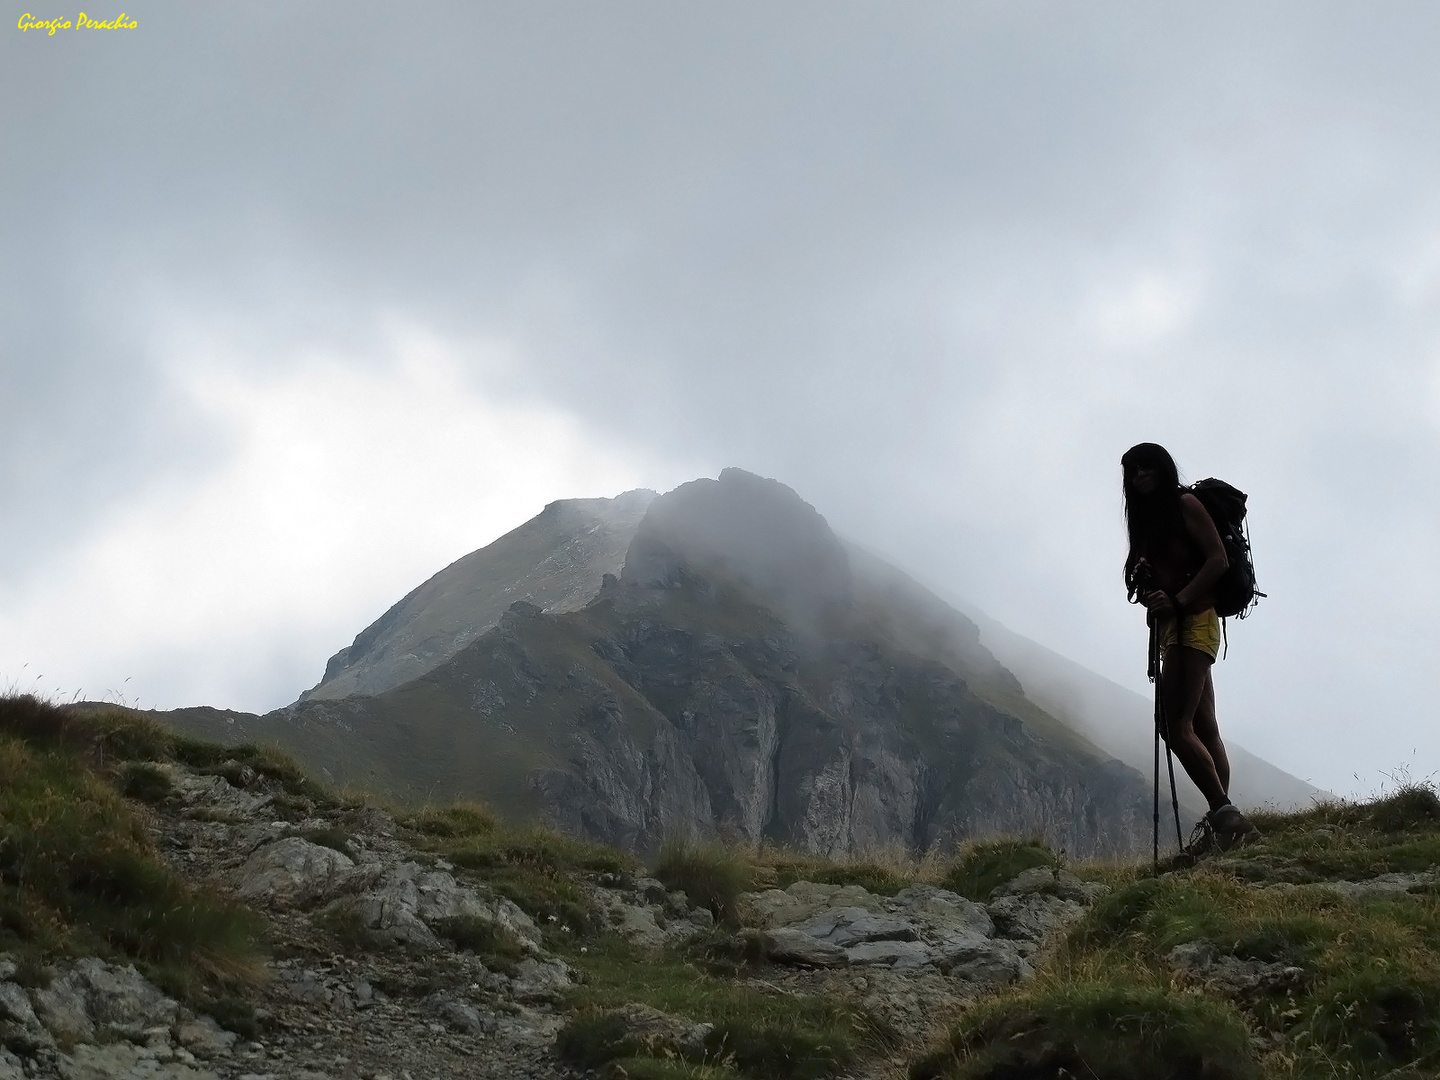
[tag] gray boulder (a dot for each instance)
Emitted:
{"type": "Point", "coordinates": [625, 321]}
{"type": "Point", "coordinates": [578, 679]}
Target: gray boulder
{"type": "Point", "coordinates": [94, 1000]}
{"type": "Point", "coordinates": [294, 872]}
{"type": "Point", "coordinates": [19, 1026]}
{"type": "Point", "coordinates": [410, 898]}
{"type": "Point", "coordinates": [203, 1037]}
{"type": "Point", "coordinates": [1242, 980]}
{"type": "Point", "coordinates": [212, 793]}
{"type": "Point", "coordinates": [788, 945]}
{"type": "Point", "coordinates": [1039, 902]}
{"type": "Point", "coordinates": [541, 980]}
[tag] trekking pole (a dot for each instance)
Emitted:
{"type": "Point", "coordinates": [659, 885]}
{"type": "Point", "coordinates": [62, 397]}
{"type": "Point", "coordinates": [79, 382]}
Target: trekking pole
{"type": "Point", "coordinates": [1174, 799]}
{"type": "Point", "coordinates": [1162, 730]}
{"type": "Point", "coordinates": [1151, 673]}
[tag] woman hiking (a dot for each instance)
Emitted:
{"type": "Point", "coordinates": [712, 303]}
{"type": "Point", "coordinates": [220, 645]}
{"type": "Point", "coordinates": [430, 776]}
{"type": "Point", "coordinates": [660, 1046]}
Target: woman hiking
{"type": "Point", "coordinates": [1175, 559]}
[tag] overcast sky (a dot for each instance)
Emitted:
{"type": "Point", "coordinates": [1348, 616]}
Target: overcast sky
{"type": "Point", "coordinates": [299, 302]}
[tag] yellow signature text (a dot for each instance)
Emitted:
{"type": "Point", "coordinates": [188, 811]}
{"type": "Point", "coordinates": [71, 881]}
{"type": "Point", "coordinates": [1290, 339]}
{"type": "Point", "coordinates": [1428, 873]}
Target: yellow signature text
{"type": "Point", "coordinates": [50, 26]}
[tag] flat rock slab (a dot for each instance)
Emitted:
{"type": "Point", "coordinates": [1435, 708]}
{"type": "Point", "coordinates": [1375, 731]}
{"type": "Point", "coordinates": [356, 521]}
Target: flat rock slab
{"type": "Point", "coordinates": [788, 945]}
{"type": "Point", "coordinates": [921, 927]}
{"type": "Point", "coordinates": [785, 907]}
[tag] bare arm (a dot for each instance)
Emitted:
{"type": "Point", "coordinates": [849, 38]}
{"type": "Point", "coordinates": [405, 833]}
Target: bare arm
{"type": "Point", "coordinates": [1202, 531]}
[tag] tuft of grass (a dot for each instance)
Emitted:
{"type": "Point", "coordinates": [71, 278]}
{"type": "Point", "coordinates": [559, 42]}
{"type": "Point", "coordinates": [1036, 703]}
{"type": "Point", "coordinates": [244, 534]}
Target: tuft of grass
{"type": "Point", "coordinates": [499, 950]}
{"type": "Point", "coordinates": [648, 1068]}
{"type": "Point", "coordinates": [760, 1034]}
{"type": "Point", "coordinates": [457, 821]}
{"type": "Point", "coordinates": [984, 866]}
{"type": "Point", "coordinates": [1104, 1030]}
{"type": "Point", "coordinates": [340, 920]}
{"type": "Point", "coordinates": [783, 869]}
{"type": "Point", "coordinates": [591, 1039]}
{"type": "Point", "coordinates": [780, 1052]}
{"type": "Point", "coordinates": [709, 874]}
{"type": "Point", "coordinates": [146, 782]}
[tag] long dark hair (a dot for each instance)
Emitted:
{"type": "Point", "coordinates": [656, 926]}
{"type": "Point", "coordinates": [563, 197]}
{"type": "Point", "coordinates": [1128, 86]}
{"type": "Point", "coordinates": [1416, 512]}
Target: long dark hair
{"type": "Point", "coordinates": [1153, 519]}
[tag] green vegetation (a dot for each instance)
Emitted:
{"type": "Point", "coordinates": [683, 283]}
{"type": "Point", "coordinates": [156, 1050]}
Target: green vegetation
{"type": "Point", "coordinates": [984, 866]}
{"type": "Point", "coordinates": [78, 872]}
{"type": "Point", "coordinates": [1096, 1029]}
{"type": "Point", "coordinates": [499, 949]}
{"type": "Point", "coordinates": [1318, 981]}
{"type": "Point", "coordinates": [756, 1034]}
{"type": "Point", "coordinates": [534, 867]}
{"type": "Point", "coordinates": [709, 874]}
{"type": "Point", "coordinates": [1322, 983]}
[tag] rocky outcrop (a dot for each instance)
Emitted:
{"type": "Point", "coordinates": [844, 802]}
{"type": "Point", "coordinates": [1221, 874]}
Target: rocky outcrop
{"type": "Point", "coordinates": [554, 561]}
{"type": "Point", "coordinates": [922, 928]}
{"type": "Point", "coordinates": [98, 1021]}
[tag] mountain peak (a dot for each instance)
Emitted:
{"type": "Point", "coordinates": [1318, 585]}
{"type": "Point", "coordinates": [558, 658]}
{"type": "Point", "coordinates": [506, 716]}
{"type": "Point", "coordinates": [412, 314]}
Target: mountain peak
{"type": "Point", "coordinates": [745, 527]}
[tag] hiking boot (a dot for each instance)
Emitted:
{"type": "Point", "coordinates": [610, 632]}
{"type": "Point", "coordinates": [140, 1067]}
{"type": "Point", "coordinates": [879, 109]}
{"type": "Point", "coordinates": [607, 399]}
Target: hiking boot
{"type": "Point", "coordinates": [1232, 829]}
{"type": "Point", "coordinates": [1202, 839]}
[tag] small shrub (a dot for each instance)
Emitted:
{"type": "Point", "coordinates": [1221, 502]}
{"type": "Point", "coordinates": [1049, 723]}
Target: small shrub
{"type": "Point", "coordinates": [779, 1053]}
{"type": "Point", "coordinates": [592, 1039]}
{"type": "Point", "coordinates": [1096, 1030]}
{"type": "Point", "coordinates": [235, 1014]}
{"type": "Point", "coordinates": [990, 864]}
{"type": "Point", "coordinates": [146, 782]}
{"type": "Point", "coordinates": [1379, 1017]}
{"type": "Point", "coordinates": [872, 876]}
{"type": "Point", "coordinates": [32, 971]}
{"type": "Point", "coordinates": [460, 819]}
{"type": "Point", "coordinates": [343, 922]}
{"type": "Point", "coordinates": [498, 948]}
{"type": "Point", "coordinates": [1414, 806]}
{"type": "Point", "coordinates": [708, 874]}
{"type": "Point", "coordinates": [729, 954]}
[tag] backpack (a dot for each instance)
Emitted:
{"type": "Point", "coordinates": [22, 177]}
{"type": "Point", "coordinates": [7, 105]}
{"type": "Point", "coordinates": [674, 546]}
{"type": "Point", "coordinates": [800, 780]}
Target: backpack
{"type": "Point", "coordinates": [1235, 592]}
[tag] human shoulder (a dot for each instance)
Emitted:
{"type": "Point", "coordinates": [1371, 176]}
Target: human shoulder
{"type": "Point", "coordinates": [1199, 524]}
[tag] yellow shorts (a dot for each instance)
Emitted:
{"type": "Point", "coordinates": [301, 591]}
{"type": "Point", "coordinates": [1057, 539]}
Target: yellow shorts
{"type": "Point", "coordinates": [1200, 631]}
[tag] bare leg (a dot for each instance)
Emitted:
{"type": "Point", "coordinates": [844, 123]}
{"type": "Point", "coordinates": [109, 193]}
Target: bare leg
{"type": "Point", "coordinates": [1208, 731]}
{"type": "Point", "coordinates": [1184, 681]}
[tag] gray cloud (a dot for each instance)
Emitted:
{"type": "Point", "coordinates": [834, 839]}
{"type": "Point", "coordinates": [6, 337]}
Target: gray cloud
{"type": "Point", "coordinates": [934, 266]}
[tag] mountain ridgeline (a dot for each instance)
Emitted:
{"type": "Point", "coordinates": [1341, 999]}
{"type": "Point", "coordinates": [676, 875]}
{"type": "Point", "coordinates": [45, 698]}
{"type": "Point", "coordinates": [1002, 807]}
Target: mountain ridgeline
{"type": "Point", "coordinates": [714, 661]}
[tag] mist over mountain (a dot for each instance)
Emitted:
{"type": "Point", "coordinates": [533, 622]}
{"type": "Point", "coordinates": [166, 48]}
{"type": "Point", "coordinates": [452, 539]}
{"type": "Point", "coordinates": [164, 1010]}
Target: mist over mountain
{"type": "Point", "coordinates": [712, 661]}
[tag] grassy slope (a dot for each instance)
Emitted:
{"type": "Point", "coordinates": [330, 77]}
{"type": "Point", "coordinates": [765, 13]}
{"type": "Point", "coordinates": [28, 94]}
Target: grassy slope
{"type": "Point", "coordinates": [1354, 987]}
{"type": "Point", "coordinates": [79, 873]}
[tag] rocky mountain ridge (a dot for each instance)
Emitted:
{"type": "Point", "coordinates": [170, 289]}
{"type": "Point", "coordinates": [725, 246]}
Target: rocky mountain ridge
{"type": "Point", "coordinates": [739, 678]}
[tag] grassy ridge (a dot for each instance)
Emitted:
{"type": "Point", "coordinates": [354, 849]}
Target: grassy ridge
{"type": "Point", "coordinates": [79, 874]}
{"type": "Point", "coordinates": [1305, 980]}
